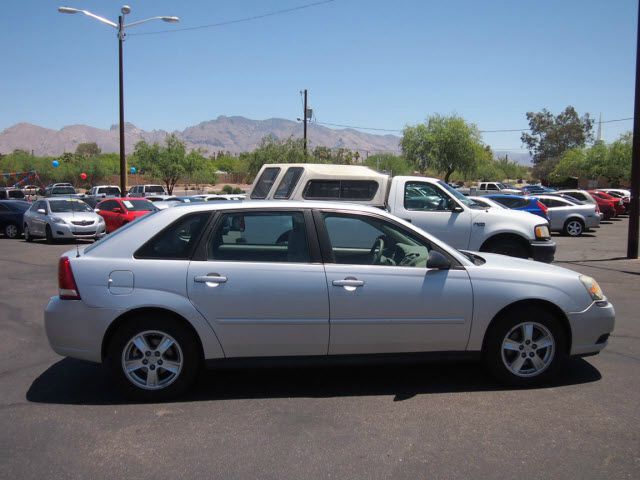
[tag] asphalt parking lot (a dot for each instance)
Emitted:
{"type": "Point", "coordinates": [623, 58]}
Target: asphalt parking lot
{"type": "Point", "coordinates": [61, 418]}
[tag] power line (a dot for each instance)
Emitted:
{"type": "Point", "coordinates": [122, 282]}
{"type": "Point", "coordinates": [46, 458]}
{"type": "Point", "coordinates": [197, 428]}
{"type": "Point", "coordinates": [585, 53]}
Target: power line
{"type": "Point", "coordinates": [237, 20]}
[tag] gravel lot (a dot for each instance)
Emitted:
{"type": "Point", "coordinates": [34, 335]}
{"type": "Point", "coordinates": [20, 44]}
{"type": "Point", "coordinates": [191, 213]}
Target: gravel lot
{"type": "Point", "coordinates": [60, 418]}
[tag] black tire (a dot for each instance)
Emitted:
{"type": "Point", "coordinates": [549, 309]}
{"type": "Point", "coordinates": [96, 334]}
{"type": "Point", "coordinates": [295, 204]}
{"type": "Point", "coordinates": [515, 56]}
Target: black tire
{"type": "Point", "coordinates": [27, 234]}
{"type": "Point", "coordinates": [11, 230]}
{"type": "Point", "coordinates": [573, 227]}
{"type": "Point", "coordinates": [48, 235]}
{"type": "Point", "coordinates": [507, 246]}
{"type": "Point", "coordinates": [188, 352]}
{"type": "Point", "coordinates": [496, 362]}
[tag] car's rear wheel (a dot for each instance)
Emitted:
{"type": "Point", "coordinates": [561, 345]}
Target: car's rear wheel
{"type": "Point", "coordinates": [48, 234]}
{"type": "Point", "coordinates": [11, 230]}
{"type": "Point", "coordinates": [506, 246]}
{"type": "Point", "coordinates": [525, 347]}
{"type": "Point", "coordinates": [153, 358]}
{"type": "Point", "coordinates": [573, 227]}
{"type": "Point", "coordinates": [27, 234]}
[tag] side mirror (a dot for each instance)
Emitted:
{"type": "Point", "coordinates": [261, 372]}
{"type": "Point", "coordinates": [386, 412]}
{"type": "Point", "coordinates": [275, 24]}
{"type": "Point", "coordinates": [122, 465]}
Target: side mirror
{"type": "Point", "coordinates": [42, 211]}
{"type": "Point", "coordinates": [454, 207]}
{"type": "Point", "coordinates": [117, 210]}
{"type": "Point", "coordinates": [438, 261]}
{"type": "Point", "coordinates": [97, 210]}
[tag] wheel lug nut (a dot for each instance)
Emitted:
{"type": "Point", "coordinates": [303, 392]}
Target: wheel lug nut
{"type": "Point", "coordinates": [145, 361]}
{"type": "Point", "coordinates": [152, 367]}
{"type": "Point", "coordinates": [528, 342]}
{"type": "Point", "coordinates": [159, 362]}
{"type": "Point", "coordinates": [521, 347]}
{"type": "Point", "coordinates": [157, 354]}
{"type": "Point", "coordinates": [531, 354]}
{"type": "Point", "coordinates": [524, 355]}
{"type": "Point", "coordinates": [147, 353]}
{"type": "Point", "coordinates": [534, 346]}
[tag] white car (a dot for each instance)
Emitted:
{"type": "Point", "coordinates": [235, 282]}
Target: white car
{"type": "Point", "coordinates": [62, 218]}
{"type": "Point", "coordinates": [568, 217]}
{"type": "Point", "coordinates": [222, 282]}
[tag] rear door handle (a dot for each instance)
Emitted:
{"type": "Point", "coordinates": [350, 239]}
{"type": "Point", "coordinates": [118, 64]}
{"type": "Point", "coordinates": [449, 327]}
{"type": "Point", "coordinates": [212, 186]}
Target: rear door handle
{"type": "Point", "coordinates": [211, 278]}
{"type": "Point", "coordinates": [348, 282]}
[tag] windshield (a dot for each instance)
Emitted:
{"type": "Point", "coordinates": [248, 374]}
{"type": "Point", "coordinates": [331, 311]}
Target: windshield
{"type": "Point", "coordinates": [115, 191]}
{"type": "Point", "coordinates": [60, 206]}
{"type": "Point", "coordinates": [459, 196]}
{"type": "Point", "coordinates": [63, 190]}
{"type": "Point", "coordinates": [139, 205]}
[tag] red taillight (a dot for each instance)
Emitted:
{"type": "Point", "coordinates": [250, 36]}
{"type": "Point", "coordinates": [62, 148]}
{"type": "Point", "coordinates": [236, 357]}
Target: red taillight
{"type": "Point", "coordinates": [542, 207]}
{"type": "Point", "coordinates": [67, 288]}
{"type": "Point", "coordinates": [597, 208]}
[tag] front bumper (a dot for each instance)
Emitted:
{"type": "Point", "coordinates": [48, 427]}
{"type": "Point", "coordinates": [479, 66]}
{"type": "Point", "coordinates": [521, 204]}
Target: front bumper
{"type": "Point", "coordinates": [543, 250]}
{"type": "Point", "coordinates": [590, 326]}
{"type": "Point", "coordinates": [64, 230]}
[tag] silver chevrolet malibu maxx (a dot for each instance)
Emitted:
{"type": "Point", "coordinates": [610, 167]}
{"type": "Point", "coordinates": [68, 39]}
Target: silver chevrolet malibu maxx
{"type": "Point", "coordinates": [217, 282]}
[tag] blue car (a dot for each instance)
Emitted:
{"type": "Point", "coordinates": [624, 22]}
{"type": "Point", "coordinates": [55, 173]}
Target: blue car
{"type": "Point", "coordinates": [11, 212]}
{"type": "Point", "coordinates": [518, 202]}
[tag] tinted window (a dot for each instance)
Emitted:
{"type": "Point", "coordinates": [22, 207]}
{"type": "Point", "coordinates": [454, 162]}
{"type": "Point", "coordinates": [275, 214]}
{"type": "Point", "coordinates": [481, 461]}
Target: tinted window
{"type": "Point", "coordinates": [265, 182]}
{"type": "Point", "coordinates": [491, 186]}
{"type": "Point", "coordinates": [154, 189]}
{"type": "Point", "coordinates": [288, 182]}
{"type": "Point", "coordinates": [109, 205]}
{"type": "Point", "coordinates": [109, 191]}
{"type": "Point", "coordinates": [16, 194]}
{"type": "Point", "coordinates": [18, 206]}
{"type": "Point", "coordinates": [138, 205]}
{"type": "Point", "coordinates": [425, 196]}
{"type": "Point", "coordinates": [176, 241]}
{"type": "Point", "coordinates": [60, 206]}
{"type": "Point", "coordinates": [260, 237]}
{"type": "Point", "coordinates": [63, 191]}
{"type": "Point", "coordinates": [340, 189]}
{"type": "Point", "coordinates": [359, 240]}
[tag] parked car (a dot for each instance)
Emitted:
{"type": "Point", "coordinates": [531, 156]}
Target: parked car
{"type": "Point", "coordinates": [608, 211]}
{"type": "Point", "coordinates": [120, 211]}
{"type": "Point", "coordinates": [11, 214]}
{"type": "Point", "coordinates": [536, 189]}
{"type": "Point", "coordinates": [232, 289]}
{"type": "Point", "coordinates": [61, 218]}
{"type": "Point", "coordinates": [61, 191]}
{"type": "Point", "coordinates": [518, 202]}
{"type": "Point", "coordinates": [616, 202]}
{"type": "Point", "coordinates": [485, 188]}
{"type": "Point", "coordinates": [140, 191]}
{"type": "Point", "coordinates": [428, 203]}
{"type": "Point", "coordinates": [568, 217]}
{"type": "Point", "coordinates": [626, 199]}
{"type": "Point", "coordinates": [487, 202]}
{"type": "Point", "coordinates": [211, 197]}
{"type": "Point", "coordinates": [30, 189]}
{"type": "Point", "coordinates": [11, 193]}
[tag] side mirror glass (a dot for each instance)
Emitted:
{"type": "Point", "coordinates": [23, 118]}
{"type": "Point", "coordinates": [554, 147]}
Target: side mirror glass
{"type": "Point", "coordinates": [454, 207]}
{"type": "Point", "coordinates": [117, 210]}
{"type": "Point", "coordinates": [42, 211]}
{"type": "Point", "coordinates": [438, 261]}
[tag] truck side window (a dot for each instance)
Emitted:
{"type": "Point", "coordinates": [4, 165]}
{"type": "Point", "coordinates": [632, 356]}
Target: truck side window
{"type": "Point", "coordinates": [425, 197]}
{"type": "Point", "coordinates": [491, 186]}
{"type": "Point", "coordinates": [264, 183]}
{"type": "Point", "coordinates": [340, 190]}
{"type": "Point", "coordinates": [288, 183]}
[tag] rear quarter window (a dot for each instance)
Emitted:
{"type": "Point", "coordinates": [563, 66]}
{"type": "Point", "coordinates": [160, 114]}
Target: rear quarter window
{"type": "Point", "coordinates": [264, 183]}
{"type": "Point", "coordinates": [340, 190]}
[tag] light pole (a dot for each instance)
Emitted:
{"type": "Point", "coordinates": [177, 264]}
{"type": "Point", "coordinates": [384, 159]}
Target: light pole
{"type": "Point", "coordinates": [120, 27]}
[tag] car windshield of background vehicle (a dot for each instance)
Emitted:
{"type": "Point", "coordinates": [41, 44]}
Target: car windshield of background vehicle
{"type": "Point", "coordinates": [139, 205]}
{"type": "Point", "coordinates": [109, 191]}
{"type": "Point", "coordinates": [459, 196]}
{"type": "Point", "coordinates": [63, 191]}
{"type": "Point", "coordinates": [264, 183]}
{"type": "Point", "coordinates": [60, 206]}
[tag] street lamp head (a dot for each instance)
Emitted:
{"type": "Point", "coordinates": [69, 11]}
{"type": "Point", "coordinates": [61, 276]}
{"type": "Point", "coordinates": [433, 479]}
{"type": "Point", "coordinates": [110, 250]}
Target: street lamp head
{"type": "Point", "coordinates": [126, 9]}
{"type": "Point", "coordinates": [171, 19]}
{"type": "Point", "coordinates": [67, 10]}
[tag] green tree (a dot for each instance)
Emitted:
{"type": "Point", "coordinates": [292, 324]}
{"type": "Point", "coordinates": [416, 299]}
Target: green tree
{"type": "Point", "coordinates": [444, 143]}
{"type": "Point", "coordinates": [273, 150]}
{"type": "Point", "coordinates": [88, 149]}
{"type": "Point", "coordinates": [166, 162]}
{"type": "Point", "coordinates": [388, 162]}
{"type": "Point", "coordinates": [551, 136]}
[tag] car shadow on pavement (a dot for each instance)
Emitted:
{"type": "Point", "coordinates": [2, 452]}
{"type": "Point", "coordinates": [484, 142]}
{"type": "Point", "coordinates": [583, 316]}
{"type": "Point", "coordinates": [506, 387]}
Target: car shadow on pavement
{"type": "Point", "coordinates": [74, 382]}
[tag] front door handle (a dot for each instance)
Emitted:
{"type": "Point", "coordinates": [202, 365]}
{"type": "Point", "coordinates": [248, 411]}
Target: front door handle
{"type": "Point", "coordinates": [210, 278]}
{"type": "Point", "coordinates": [349, 283]}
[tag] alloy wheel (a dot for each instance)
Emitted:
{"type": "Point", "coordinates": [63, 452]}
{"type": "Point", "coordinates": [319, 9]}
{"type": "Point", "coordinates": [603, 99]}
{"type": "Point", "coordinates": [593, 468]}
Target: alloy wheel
{"type": "Point", "coordinates": [152, 360]}
{"type": "Point", "coordinates": [11, 231]}
{"type": "Point", "coordinates": [528, 349]}
{"type": "Point", "coordinates": [574, 228]}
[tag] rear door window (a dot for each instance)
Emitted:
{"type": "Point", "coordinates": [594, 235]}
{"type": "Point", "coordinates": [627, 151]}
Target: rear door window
{"type": "Point", "coordinates": [265, 182]}
{"type": "Point", "coordinates": [288, 183]}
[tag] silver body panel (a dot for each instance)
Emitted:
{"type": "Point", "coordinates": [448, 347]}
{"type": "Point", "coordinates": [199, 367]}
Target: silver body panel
{"type": "Point", "coordinates": [290, 309]}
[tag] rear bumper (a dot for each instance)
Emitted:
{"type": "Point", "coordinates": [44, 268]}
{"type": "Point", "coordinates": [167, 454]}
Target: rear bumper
{"type": "Point", "coordinates": [593, 221]}
{"type": "Point", "coordinates": [543, 250]}
{"type": "Point", "coordinates": [590, 328]}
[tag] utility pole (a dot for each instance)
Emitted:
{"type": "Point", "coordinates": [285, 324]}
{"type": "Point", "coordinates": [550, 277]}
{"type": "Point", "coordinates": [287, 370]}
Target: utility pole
{"type": "Point", "coordinates": [632, 241]}
{"type": "Point", "coordinates": [123, 158]}
{"type": "Point", "coordinates": [304, 119]}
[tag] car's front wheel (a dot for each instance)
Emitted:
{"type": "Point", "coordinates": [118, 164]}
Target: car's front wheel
{"type": "Point", "coordinates": [573, 227]}
{"type": "Point", "coordinates": [11, 230]}
{"type": "Point", "coordinates": [153, 358]}
{"type": "Point", "coordinates": [525, 347]}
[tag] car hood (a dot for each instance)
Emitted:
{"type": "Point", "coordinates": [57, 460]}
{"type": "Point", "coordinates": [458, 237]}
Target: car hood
{"type": "Point", "coordinates": [520, 216]}
{"type": "Point", "coordinates": [77, 216]}
{"type": "Point", "coordinates": [494, 260]}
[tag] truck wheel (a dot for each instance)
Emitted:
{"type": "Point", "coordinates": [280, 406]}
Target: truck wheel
{"type": "Point", "coordinates": [506, 246]}
{"type": "Point", "coordinates": [525, 348]}
{"type": "Point", "coordinates": [12, 230]}
{"type": "Point", "coordinates": [573, 227]}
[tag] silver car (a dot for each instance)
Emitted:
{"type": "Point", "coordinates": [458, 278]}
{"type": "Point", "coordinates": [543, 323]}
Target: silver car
{"type": "Point", "coordinates": [569, 217]}
{"type": "Point", "coordinates": [62, 218]}
{"type": "Point", "coordinates": [219, 282]}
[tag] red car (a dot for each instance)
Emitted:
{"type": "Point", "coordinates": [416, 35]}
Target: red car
{"type": "Point", "coordinates": [120, 211]}
{"type": "Point", "coordinates": [616, 203]}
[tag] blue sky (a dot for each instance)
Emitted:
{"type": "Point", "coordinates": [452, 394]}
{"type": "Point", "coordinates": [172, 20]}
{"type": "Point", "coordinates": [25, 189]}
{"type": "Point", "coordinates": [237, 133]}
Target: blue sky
{"type": "Point", "coordinates": [372, 63]}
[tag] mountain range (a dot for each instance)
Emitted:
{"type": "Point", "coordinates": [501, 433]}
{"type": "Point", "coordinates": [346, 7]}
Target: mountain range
{"type": "Point", "coordinates": [233, 134]}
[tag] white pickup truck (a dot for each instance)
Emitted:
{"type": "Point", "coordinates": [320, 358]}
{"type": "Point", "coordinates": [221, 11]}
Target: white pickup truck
{"type": "Point", "coordinates": [487, 188]}
{"type": "Point", "coordinates": [428, 203]}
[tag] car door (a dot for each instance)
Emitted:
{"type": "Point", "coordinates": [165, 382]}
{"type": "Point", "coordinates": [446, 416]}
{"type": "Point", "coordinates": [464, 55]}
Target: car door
{"type": "Point", "coordinates": [260, 283]}
{"type": "Point", "coordinates": [555, 213]}
{"type": "Point", "coordinates": [105, 210]}
{"type": "Point", "coordinates": [38, 220]}
{"type": "Point", "coordinates": [382, 298]}
{"type": "Point", "coordinates": [429, 207]}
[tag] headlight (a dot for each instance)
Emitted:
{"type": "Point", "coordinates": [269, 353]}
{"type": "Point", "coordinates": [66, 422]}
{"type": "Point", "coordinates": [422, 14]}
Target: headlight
{"type": "Point", "coordinates": [542, 232]}
{"type": "Point", "coordinates": [594, 290]}
{"type": "Point", "coordinates": [57, 220]}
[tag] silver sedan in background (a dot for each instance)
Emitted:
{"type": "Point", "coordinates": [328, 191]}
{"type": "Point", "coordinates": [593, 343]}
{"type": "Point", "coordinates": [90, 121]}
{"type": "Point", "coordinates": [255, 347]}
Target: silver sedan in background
{"type": "Point", "coordinates": [217, 282]}
{"type": "Point", "coordinates": [62, 218]}
{"type": "Point", "coordinates": [568, 216]}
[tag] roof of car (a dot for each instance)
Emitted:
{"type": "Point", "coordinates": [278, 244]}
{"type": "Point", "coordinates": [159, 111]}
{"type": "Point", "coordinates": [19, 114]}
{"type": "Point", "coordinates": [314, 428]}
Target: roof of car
{"type": "Point", "coordinates": [505, 195]}
{"type": "Point", "coordinates": [276, 204]}
{"type": "Point", "coordinates": [331, 169]}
